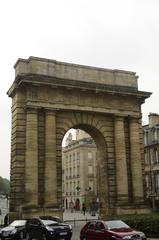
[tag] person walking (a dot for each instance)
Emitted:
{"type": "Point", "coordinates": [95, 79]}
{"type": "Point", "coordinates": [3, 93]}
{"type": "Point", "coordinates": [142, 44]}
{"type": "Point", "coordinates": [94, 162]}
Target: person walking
{"type": "Point", "coordinates": [84, 209]}
{"type": "Point", "coordinates": [6, 220]}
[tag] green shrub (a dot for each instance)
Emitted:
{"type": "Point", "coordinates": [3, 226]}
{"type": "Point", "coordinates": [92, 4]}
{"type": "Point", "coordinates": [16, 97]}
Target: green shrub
{"type": "Point", "coordinates": [147, 223]}
{"type": "Point", "coordinates": [4, 185]}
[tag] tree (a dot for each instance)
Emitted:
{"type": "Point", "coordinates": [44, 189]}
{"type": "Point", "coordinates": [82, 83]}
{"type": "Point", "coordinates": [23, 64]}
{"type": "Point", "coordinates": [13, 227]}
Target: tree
{"type": "Point", "coordinates": [4, 186]}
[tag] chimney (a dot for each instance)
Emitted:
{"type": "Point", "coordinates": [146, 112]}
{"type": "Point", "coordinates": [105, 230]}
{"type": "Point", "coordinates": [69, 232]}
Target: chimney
{"type": "Point", "coordinates": [153, 119]}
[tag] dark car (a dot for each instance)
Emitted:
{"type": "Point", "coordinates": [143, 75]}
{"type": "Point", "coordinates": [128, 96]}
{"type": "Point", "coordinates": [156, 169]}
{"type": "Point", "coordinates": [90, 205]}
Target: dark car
{"type": "Point", "coordinates": [112, 230]}
{"type": "Point", "coordinates": [14, 231]}
{"type": "Point", "coordinates": [47, 230]}
{"type": "Point", "coordinates": [53, 218]}
{"type": "Point", "coordinates": [56, 219]}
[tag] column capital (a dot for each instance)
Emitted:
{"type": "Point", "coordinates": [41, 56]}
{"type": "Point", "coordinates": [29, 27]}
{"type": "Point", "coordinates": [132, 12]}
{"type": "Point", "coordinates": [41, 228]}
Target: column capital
{"type": "Point", "coordinates": [31, 109]}
{"type": "Point", "coordinates": [119, 117]}
{"type": "Point", "coordinates": [134, 118]}
{"type": "Point", "coordinates": [49, 111]}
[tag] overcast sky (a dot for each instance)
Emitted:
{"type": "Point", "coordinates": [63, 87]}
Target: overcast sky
{"type": "Point", "coordinates": [115, 34]}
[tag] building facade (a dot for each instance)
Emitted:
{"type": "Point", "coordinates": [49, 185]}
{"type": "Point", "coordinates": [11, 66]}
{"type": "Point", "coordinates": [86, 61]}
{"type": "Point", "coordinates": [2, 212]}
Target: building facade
{"type": "Point", "coordinates": [80, 171]}
{"type": "Point", "coordinates": [151, 151]}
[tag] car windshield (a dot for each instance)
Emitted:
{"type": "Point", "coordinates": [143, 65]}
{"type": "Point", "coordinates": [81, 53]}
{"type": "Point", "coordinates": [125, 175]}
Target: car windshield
{"type": "Point", "coordinates": [49, 222]}
{"type": "Point", "coordinates": [117, 224]}
{"type": "Point", "coordinates": [52, 218]}
{"type": "Point", "coordinates": [18, 223]}
{"type": "Point", "coordinates": [57, 219]}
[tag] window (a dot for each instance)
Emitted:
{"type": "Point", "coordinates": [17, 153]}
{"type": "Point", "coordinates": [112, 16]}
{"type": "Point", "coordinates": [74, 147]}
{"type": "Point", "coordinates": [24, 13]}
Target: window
{"type": "Point", "coordinates": [78, 184]}
{"type": "Point", "coordinates": [90, 184]}
{"type": "Point", "coordinates": [151, 157]}
{"type": "Point", "coordinates": [157, 182]}
{"type": "Point", "coordinates": [66, 173]}
{"type": "Point", "coordinates": [70, 159]}
{"type": "Point", "coordinates": [78, 156]}
{"type": "Point", "coordinates": [34, 222]}
{"type": "Point", "coordinates": [91, 225]}
{"type": "Point", "coordinates": [74, 186]}
{"type": "Point", "coordinates": [67, 187]}
{"type": "Point", "coordinates": [99, 226]}
{"type": "Point", "coordinates": [78, 171]}
{"type": "Point", "coordinates": [66, 160]}
{"type": "Point", "coordinates": [156, 158]}
{"type": "Point", "coordinates": [154, 134]}
{"type": "Point", "coordinates": [146, 157]}
{"type": "Point", "coordinates": [90, 155]}
{"type": "Point", "coordinates": [90, 169]}
{"type": "Point", "coordinates": [73, 171]}
{"type": "Point", "coordinates": [70, 172]}
{"type": "Point", "coordinates": [70, 188]}
{"type": "Point", "coordinates": [147, 181]}
{"type": "Point", "coordinates": [146, 136]}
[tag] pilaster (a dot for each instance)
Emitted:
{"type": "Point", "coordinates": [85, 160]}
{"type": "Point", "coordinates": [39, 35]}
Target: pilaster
{"type": "Point", "coordinates": [121, 164]}
{"type": "Point", "coordinates": [135, 156]}
{"type": "Point", "coordinates": [50, 159]}
{"type": "Point", "coordinates": [31, 158]}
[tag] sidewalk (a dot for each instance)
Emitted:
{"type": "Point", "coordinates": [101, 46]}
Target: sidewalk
{"type": "Point", "coordinates": [77, 215]}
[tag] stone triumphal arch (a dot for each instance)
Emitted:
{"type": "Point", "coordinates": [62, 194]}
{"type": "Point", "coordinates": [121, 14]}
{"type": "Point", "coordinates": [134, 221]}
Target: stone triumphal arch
{"type": "Point", "coordinates": [49, 98]}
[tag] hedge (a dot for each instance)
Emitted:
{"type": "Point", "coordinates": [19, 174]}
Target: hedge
{"type": "Point", "coordinates": [147, 223]}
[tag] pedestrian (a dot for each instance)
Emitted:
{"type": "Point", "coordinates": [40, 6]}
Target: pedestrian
{"type": "Point", "coordinates": [84, 209]}
{"type": "Point", "coordinates": [6, 220]}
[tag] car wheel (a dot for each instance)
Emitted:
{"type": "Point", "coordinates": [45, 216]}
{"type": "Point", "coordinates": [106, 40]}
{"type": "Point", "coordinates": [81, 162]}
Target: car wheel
{"type": "Point", "coordinates": [21, 235]}
{"type": "Point", "coordinates": [28, 237]}
{"type": "Point", "coordinates": [44, 237]}
{"type": "Point", "coordinates": [84, 238]}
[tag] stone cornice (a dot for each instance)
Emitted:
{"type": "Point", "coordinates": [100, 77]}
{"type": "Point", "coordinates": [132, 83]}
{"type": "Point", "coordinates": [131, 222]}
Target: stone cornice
{"type": "Point", "coordinates": [53, 68]}
{"type": "Point", "coordinates": [40, 80]}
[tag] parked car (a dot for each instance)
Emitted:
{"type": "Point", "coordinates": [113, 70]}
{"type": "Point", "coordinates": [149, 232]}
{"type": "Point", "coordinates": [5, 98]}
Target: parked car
{"type": "Point", "coordinates": [47, 230]}
{"type": "Point", "coordinates": [53, 218]}
{"type": "Point", "coordinates": [112, 230]}
{"type": "Point", "coordinates": [14, 231]}
{"type": "Point", "coordinates": [56, 219]}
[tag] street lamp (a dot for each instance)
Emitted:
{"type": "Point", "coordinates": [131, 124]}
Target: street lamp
{"type": "Point", "coordinates": [87, 196]}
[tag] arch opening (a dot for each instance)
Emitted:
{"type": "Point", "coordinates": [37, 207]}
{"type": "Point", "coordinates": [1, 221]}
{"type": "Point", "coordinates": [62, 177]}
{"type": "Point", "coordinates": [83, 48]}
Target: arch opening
{"type": "Point", "coordinates": [84, 168]}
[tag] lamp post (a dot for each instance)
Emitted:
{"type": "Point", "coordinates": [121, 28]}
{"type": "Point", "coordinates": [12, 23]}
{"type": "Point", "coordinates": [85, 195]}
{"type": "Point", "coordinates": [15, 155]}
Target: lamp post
{"type": "Point", "coordinates": [87, 196]}
{"type": "Point", "coordinates": [77, 205]}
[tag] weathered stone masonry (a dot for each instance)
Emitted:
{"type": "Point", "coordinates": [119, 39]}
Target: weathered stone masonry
{"type": "Point", "coordinates": [49, 98]}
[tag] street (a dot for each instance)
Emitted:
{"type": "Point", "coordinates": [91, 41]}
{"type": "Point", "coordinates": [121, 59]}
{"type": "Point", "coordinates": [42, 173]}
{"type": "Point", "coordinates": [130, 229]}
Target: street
{"type": "Point", "coordinates": [77, 219]}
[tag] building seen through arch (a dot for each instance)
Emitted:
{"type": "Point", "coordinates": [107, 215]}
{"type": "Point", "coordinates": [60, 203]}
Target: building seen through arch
{"type": "Point", "coordinates": [80, 172]}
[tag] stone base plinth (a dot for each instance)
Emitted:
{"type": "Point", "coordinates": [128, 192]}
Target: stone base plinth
{"type": "Point", "coordinates": [123, 210]}
{"type": "Point", "coordinates": [29, 212]}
